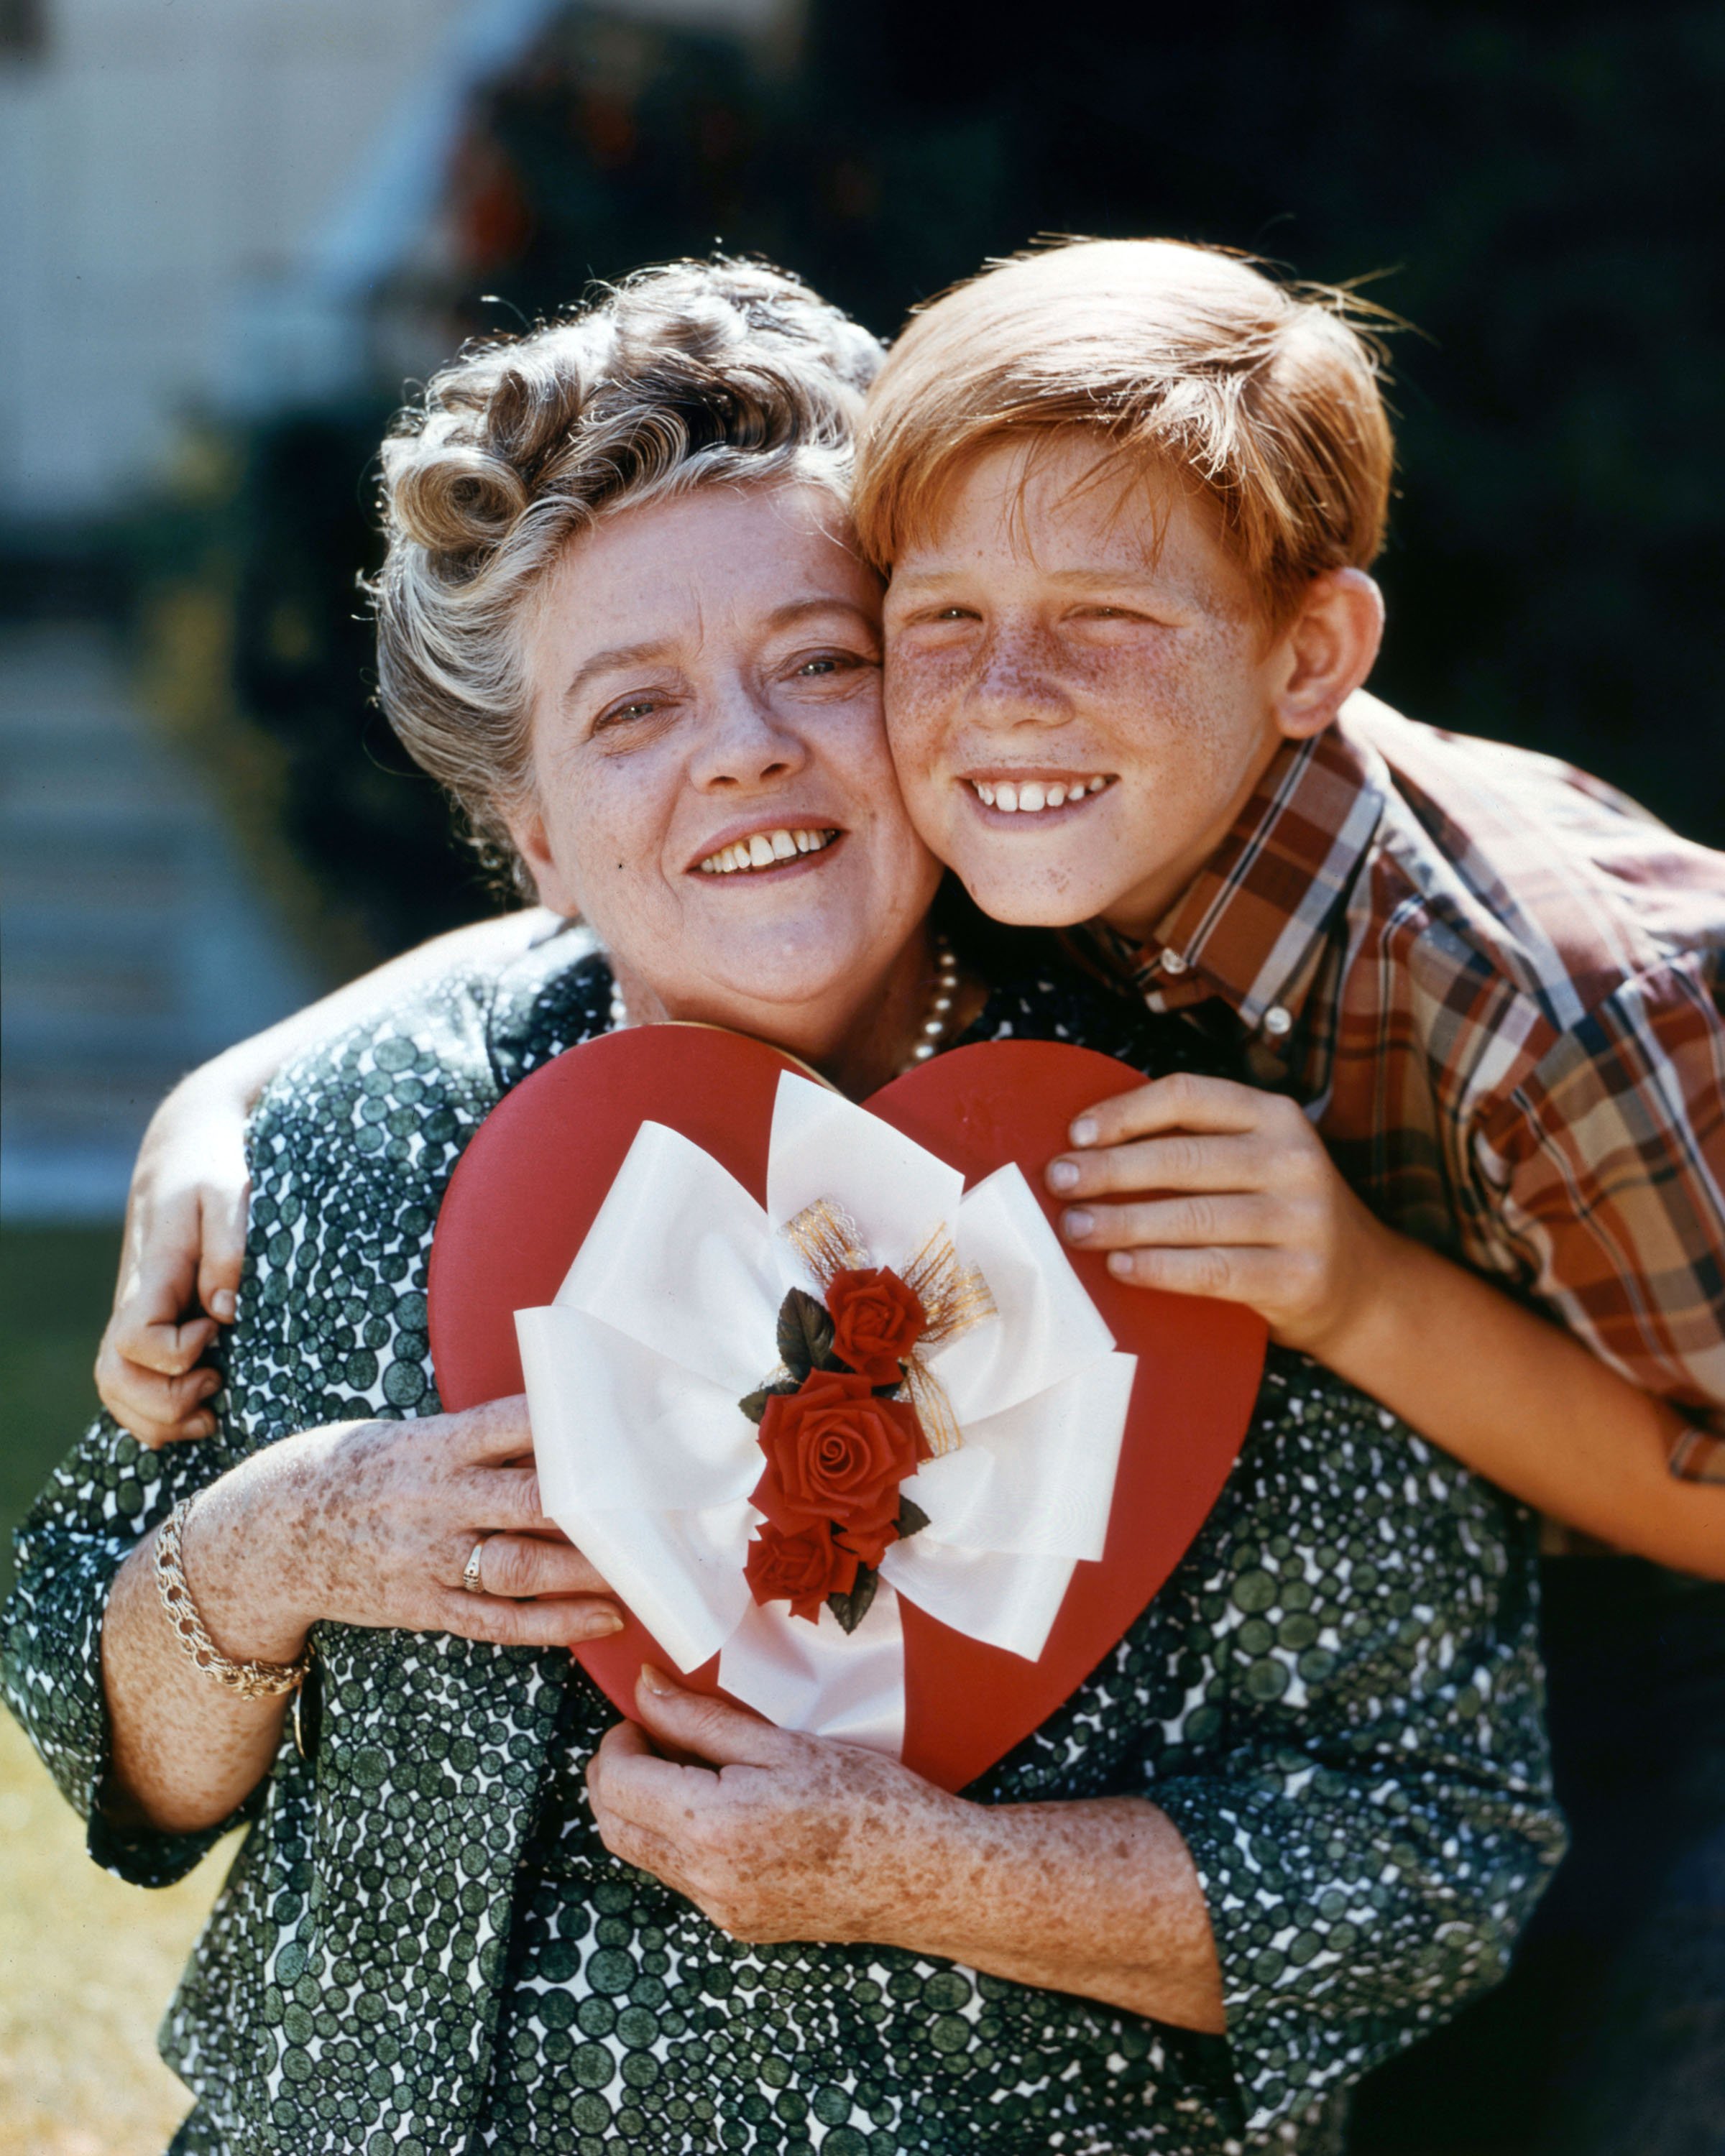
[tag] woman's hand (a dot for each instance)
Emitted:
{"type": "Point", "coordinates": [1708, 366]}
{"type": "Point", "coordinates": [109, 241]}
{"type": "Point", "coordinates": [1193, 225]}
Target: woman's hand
{"type": "Point", "coordinates": [787, 1837]}
{"type": "Point", "coordinates": [373, 1524]}
{"type": "Point", "coordinates": [782, 1836]}
{"type": "Point", "coordinates": [180, 1264]}
{"type": "Point", "coordinates": [1247, 1205]}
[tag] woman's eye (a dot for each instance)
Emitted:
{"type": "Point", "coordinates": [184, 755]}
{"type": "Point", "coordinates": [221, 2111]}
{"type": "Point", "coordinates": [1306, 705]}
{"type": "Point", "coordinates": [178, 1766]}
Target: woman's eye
{"type": "Point", "coordinates": [637, 707]}
{"type": "Point", "coordinates": [820, 665]}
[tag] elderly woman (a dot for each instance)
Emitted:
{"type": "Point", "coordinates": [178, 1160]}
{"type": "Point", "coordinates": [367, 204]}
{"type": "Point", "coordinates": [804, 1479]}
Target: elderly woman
{"type": "Point", "coordinates": [1295, 1816]}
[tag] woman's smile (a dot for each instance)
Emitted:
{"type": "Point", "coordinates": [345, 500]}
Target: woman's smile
{"type": "Point", "coordinates": [775, 850]}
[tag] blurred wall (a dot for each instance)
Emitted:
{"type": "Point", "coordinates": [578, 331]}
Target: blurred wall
{"type": "Point", "coordinates": [154, 161]}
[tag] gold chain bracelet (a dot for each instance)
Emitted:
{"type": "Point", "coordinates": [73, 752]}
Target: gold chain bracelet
{"type": "Point", "coordinates": [248, 1680]}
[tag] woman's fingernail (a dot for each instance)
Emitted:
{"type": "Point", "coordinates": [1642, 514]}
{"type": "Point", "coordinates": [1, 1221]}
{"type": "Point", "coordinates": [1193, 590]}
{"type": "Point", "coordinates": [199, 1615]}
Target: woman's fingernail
{"type": "Point", "coordinates": [212, 1384]}
{"type": "Point", "coordinates": [1083, 1131]}
{"type": "Point", "coordinates": [201, 1426]}
{"type": "Point", "coordinates": [603, 1625]}
{"type": "Point", "coordinates": [1119, 1264]}
{"type": "Point", "coordinates": [1063, 1175]}
{"type": "Point", "coordinates": [1077, 1224]}
{"type": "Point", "coordinates": [657, 1682]}
{"type": "Point", "coordinates": [221, 1305]}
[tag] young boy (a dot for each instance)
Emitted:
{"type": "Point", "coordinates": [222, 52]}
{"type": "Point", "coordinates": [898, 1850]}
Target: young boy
{"type": "Point", "coordinates": [1127, 494]}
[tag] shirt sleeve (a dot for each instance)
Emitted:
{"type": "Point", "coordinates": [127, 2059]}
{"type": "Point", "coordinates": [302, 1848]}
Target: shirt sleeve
{"type": "Point", "coordinates": [1604, 1173]}
{"type": "Point", "coordinates": [1373, 1823]}
{"type": "Point", "coordinates": [107, 1495]}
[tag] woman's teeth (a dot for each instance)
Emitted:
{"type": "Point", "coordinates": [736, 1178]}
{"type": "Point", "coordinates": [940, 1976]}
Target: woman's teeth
{"type": "Point", "coordinates": [1032, 794]}
{"type": "Point", "coordinates": [766, 849]}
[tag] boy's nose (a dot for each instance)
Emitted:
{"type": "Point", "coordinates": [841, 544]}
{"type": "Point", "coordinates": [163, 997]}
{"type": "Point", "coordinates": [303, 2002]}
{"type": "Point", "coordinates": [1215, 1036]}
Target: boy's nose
{"type": "Point", "coordinates": [1015, 681]}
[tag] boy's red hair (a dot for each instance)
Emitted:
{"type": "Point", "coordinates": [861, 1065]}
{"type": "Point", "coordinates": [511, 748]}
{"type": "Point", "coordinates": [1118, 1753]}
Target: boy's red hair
{"type": "Point", "coordinates": [1267, 395]}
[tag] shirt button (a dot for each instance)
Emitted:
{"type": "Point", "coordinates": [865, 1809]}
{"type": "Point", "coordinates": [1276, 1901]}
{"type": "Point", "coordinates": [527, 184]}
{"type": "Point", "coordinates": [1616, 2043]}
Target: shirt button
{"type": "Point", "coordinates": [1276, 1022]}
{"type": "Point", "coordinates": [1172, 963]}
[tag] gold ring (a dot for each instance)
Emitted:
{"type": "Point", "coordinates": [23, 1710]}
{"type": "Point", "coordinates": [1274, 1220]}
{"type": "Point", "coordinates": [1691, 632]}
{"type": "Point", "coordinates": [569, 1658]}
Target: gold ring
{"type": "Point", "coordinates": [470, 1571]}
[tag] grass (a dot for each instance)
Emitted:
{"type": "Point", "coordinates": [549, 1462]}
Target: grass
{"type": "Point", "coordinates": [86, 1964]}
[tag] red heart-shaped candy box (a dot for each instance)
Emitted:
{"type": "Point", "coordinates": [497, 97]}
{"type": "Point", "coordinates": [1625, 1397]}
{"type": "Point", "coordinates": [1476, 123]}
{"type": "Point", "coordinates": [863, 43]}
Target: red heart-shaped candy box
{"type": "Point", "coordinates": [525, 1192]}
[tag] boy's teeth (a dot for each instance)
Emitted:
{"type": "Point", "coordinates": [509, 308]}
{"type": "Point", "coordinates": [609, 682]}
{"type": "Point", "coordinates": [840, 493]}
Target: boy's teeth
{"type": "Point", "coordinates": [1032, 794]}
{"type": "Point", "coordinates": [765, 849]}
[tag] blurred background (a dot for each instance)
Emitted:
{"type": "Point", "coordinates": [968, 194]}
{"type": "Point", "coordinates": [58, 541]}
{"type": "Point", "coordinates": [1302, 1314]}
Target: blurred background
{"type": "Point", "coordinates": [231, 231]}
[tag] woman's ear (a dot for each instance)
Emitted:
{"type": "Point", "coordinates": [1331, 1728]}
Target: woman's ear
{"type": "Point", "coordinates": [527, 834]}
{"type": "Point", "coordinates": [1326, 651]}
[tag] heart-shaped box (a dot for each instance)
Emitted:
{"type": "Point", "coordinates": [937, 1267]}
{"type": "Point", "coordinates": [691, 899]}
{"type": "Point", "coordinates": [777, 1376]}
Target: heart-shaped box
{"type": "Point", "coordinates": [526, 1190]}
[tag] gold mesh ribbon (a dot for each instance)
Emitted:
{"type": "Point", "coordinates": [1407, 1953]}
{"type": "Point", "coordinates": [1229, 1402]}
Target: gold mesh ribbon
{"type": "Point", "coordinates": [954, 1297]}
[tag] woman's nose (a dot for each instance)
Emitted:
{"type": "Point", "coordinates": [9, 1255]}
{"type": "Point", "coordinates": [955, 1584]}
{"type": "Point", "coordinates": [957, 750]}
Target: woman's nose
{"type": "Point", "coordinates": [745, 742]}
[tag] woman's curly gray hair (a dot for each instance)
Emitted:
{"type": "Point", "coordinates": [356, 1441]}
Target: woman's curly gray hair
{"type": "Point", "coordinates": [690, 375]}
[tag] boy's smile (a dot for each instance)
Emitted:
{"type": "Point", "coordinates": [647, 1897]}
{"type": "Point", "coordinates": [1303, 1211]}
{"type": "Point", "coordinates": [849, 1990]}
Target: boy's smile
{"type": "Point", "coordinates": [1082, 694]}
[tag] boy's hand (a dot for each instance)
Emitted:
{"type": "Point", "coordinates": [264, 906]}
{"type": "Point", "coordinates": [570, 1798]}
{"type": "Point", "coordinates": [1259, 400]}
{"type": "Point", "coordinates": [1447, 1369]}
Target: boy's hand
{"type": "Point", "coordinates": [179, 1268]}
{"type": "Point", "coordinates": [1239, 1201]}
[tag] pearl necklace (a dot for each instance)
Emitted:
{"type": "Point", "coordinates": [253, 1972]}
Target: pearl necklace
{"type": "Point", "coordinates": [938, 1021]}
{"type": "Point", "coordinates": [935, 1026]}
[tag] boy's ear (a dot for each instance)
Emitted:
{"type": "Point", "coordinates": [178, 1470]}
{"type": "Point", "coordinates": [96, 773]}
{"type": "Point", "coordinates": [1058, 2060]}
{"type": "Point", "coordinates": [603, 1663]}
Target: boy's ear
{"type": "Point", "coordinates": [1327, 651]}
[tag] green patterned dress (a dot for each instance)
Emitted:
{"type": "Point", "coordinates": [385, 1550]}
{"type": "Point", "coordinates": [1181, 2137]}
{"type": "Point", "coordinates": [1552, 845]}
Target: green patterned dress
{"type": "Point", "coordinates": [423, 1946]}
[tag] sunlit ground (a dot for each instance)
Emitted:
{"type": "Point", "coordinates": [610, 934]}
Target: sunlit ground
{"type": "Point", "coordinates": [86, 1965]}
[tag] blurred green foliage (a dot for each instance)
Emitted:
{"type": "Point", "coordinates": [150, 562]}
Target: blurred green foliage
{"type": "Point", "coordinates": [55, 1286]}
{"type": "Point", "coordinates": [1534, 190]}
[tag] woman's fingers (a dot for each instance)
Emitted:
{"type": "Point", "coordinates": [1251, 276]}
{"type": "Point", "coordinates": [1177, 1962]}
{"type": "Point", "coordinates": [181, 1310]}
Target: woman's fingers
{"type": "Point", "coordinates": [518, 1566]}
{"type": "Point", "coordinates": [508, 1497]}
{"type": "Point", "coordinates": [504, 1623]}
{"type": "Point", "coordinates": [222, 1213]}
{"type": "Point", "coordinates": [498, 1431]}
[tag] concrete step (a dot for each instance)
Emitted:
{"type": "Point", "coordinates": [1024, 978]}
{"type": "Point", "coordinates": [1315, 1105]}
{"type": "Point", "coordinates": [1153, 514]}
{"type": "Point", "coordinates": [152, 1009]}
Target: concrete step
{"type": "Point", "coordinates": [132, 943]}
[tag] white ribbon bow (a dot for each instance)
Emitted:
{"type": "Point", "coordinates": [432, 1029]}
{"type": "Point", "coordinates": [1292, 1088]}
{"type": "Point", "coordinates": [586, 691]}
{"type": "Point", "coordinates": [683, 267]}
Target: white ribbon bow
{"type": "Point", "coordinates": [668, 1318]}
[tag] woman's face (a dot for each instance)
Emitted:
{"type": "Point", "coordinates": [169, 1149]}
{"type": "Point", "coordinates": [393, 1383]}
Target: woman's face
{"type": "Point", "coordinates": [712, 788]}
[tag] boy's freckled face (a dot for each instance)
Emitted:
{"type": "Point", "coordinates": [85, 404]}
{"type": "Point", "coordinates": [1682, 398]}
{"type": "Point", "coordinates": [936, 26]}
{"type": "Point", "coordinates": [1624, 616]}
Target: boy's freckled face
{"type": "Point", "coordinates": [1080, 697]}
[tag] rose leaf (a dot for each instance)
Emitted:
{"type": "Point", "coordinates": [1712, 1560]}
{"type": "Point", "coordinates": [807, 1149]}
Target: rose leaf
{"type": "Point", "coordinates": [754, 1404]}
{"type": "Point", "coordinates": [805, 1333]}
{"type": "Point", "coordinates": [911, 1518]}
{"type": "Point", "coordinates": [851, 1608]}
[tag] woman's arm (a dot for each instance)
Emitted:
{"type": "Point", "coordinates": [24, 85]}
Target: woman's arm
{"type": "Point", "coordinates": [1250, 1208]}
{"type": "Point", "coordinates": [363, 1523]}
{"type": "Point", "coordinates": [1336, 1815]}
{"type": "Point", "coordinates": [186, 1214]}
{"type": "Point", "coordinates": [1098, 1897]}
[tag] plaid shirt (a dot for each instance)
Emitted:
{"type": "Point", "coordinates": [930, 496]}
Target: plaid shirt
{"type": "Point", "coordinates": [1497, 983]}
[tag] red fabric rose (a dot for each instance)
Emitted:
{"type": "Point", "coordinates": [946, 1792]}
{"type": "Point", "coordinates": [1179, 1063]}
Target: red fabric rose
{"type": "Point", "coordinates": [836, 1454]}
{"type": "Point", "coordinates": [802, 1569]}
{"type": "Point", "coordinates": [876, 1321]}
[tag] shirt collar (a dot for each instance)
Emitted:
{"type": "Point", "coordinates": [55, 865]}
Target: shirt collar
{"type": "Point", "coordinates": [1245, 927]}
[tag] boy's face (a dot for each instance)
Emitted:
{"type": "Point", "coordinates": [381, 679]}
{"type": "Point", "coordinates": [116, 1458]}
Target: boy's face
{"type": "Point", "coordinates": [1089, 646]}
